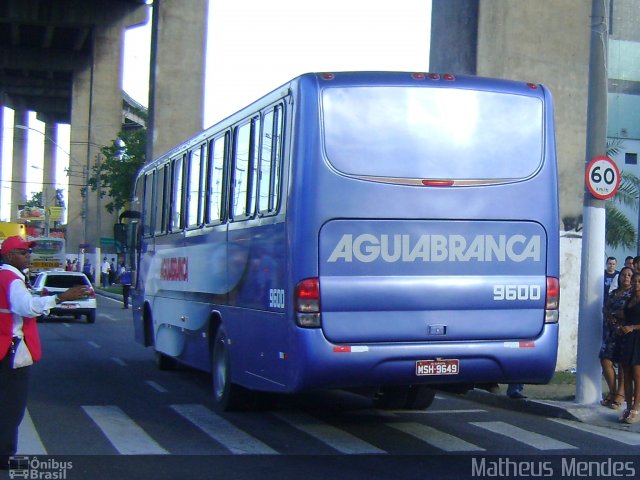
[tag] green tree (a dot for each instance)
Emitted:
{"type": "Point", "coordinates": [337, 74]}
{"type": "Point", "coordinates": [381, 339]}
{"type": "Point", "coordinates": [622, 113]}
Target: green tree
{"type": "Point", "coordinates": [619, 231]}
{"type": "Point", "coordinates": [36, 199]}
{"type": "Point", "coordinates": [119, 164]}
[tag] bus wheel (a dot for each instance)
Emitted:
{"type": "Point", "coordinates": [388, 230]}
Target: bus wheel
{"type": "Point", "coordinates": [419, 397]}
{"type": "Point", "coordinates": [226, 395]}
{"type": "Point", "coordinates": [391, 398]}
{"type": "Point", "coordinates": [165, 362]}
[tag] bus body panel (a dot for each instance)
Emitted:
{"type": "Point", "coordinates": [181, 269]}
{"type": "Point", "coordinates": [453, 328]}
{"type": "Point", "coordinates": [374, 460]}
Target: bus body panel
{"type": "Point", "coordinates": [438, 280]}
{"type": "Point", "coordinates": [321, 364]}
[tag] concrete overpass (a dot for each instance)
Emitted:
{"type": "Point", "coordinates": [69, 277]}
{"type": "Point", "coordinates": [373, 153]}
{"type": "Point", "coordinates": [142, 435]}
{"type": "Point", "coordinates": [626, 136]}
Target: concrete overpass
{"type": "Point", "coordinates": [63, 60]}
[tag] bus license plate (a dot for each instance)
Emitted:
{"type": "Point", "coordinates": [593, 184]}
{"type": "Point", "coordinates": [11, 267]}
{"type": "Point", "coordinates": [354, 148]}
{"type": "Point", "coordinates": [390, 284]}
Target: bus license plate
{"type": "Point", "coordinates": [438, 367]}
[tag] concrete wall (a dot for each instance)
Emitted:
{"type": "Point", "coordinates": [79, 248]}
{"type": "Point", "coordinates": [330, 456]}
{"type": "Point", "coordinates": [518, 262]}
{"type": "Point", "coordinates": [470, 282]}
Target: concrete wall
{"type": "Point", "coordinates": [570, 255]}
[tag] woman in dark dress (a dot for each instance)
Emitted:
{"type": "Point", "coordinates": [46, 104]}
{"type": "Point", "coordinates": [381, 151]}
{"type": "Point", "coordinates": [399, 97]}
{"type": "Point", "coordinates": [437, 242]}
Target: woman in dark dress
{"type": "Point", "coordinates": [630, 353]}
{"type": "Point", "coordinates": [611, 340]}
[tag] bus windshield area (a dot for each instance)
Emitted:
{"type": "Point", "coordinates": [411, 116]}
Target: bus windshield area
{"type": "Point", "coordinates": [433, 133]}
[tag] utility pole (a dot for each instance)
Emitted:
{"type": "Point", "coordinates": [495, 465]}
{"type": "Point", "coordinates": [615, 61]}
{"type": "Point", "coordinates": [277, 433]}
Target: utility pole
{"type": "Point", "coordinates": [589, 380]}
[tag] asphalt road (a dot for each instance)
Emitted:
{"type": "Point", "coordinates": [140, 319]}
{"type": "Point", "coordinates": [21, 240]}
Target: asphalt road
{"type": "Point", "coordinates": [99, 402]}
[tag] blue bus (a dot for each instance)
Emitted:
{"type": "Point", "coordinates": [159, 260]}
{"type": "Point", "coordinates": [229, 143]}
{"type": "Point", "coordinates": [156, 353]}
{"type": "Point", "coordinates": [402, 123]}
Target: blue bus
{"type": "Point", "coordinates": [385, 232]}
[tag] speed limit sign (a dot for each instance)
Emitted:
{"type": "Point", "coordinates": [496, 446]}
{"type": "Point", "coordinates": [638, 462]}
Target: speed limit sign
{"type": "Point", "coordinates": [602, 177]}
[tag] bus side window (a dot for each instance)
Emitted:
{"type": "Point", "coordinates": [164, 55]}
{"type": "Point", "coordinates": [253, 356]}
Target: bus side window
{"type": "Point", "coordinates": [244, 181]}
{"type": "Point", "coordinates": [270, 161]}
{"type": "Point", "coordinates": [241, 165]}
{"type": "Point", "coordinates": [148, 202]}
{"type": "Point", "coordinates": [177, 189]}
{"type": "Point", "coordinates": [159, 200]}
{"type": "Point", "coordinates": [195, 187]}
{"type": "Point", "coordinates": [218, 152]}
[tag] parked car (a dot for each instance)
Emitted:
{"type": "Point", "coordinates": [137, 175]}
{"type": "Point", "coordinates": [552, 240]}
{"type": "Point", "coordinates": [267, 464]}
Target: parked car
{"type": "Point", "coordinates": [53, 282]}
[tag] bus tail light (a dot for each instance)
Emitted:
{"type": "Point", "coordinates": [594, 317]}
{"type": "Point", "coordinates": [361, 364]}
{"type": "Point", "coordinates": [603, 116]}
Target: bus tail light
{"type": "Point", "coordinates": [553, 300]}
{"type": "Point", "coordinates": [307, 303]}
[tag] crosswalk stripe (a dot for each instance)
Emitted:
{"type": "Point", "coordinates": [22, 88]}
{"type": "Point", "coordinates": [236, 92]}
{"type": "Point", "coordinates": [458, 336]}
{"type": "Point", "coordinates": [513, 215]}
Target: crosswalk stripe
{"type": "Point", "coordinates": [449, 412]}
{"type": "Point", "coordinates": [535, 440]}
{"type": "Point", "coordinates": [29, 442]}
{"type": "Point", "coordinates": [119, 361]}
{"type": "Point", "coordinates": [223, 432]}
{"type": "Point", "coordinates": [435, 437]}
{"type": "Point", "coordinates": [123, 433]}
{"type": "Point", "coordinates": [334, 437]}
{"type": "Point", "coordinates": [622, 436]}
{"type": "Point", "coordinates": [156, 386]}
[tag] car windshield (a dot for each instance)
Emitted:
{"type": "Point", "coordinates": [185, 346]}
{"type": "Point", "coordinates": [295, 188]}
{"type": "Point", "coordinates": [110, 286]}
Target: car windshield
{"type": "Point", "coordinates": [65, 281]}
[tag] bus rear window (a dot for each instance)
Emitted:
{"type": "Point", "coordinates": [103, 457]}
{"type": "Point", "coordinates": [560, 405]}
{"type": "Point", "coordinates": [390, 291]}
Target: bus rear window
{"type": "Point", "coordinates": [435, 133]}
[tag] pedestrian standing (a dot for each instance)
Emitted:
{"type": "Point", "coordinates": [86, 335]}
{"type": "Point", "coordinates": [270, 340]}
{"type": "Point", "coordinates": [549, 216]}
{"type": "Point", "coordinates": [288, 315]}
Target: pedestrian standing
{"type": "Point", "coordinates": [610, 277]}
{"type": "Point", "coordinates": [19, 340]}
{"type": "Point", "coordinates": [105, 268]}
{"type": "Point", "coordinates": [112, 271]}
{"type": "Point", "coordinates": [125, 280]}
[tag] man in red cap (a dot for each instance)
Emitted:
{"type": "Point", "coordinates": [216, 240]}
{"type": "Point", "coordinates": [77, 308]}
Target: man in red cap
{"type": "Point", "coordinates": [19, 341]}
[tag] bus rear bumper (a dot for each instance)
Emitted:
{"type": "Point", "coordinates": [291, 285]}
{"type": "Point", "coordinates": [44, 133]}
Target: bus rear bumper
{"type": "Point", "coordinates": [321, 364]}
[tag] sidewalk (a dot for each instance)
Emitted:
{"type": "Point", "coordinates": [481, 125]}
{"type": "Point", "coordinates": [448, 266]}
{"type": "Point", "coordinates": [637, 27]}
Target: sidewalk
{"type": "Point", "coordinates": [556, 399]}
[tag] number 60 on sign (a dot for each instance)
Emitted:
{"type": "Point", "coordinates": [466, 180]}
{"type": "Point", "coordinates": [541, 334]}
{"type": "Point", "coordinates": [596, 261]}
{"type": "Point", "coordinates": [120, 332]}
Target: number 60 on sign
{"type": "Point", "coordinates": [602, 177]}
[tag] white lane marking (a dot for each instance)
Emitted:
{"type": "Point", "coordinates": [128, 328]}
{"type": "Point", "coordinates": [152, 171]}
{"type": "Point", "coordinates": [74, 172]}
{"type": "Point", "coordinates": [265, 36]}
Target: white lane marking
{"type": "Point", "coordinates": [66, 324]}
{"type": "Point", "coordinates": [334, 437]}
{"type": "Point", "coordinates": [29, 442]}
{"type": "Point", "coordinates": [535, 440]}
{"type": "Point", "coordinates": [223, 432]}
{"type": "Point", "coordinates": [622, 436]}
{"type": "Point", "coordinates": [123, 433]}
{"type": "Point", "coordinates": [156, 386]}
{"type": "Point", "coordinates": [119, 361]}
{"type": "Point", "coordinates": [93, 344]}
{"type": "Point", "coordinates": [438, 439]}
{"type": "Point", "coordinates": [110, 317]}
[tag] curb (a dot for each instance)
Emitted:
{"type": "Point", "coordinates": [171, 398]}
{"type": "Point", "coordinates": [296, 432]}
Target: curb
{"type": "Point", "coordinates": [114, 296]}
{"type": "Point", "coordinates": [595, 415]}
{"type": "Point", "coordinates": [537, 407]}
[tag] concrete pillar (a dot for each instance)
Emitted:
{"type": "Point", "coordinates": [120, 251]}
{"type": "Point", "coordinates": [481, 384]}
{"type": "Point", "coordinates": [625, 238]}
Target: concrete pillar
{"type": "Point", "coordinates": [176, 94]}
{"type": "Point", "coordinates": [454, 36]}
{"type": "Point", "coordinates": [96, 122]}
{"type": "Point", "coordinates": [49, 164]}
{"type": "Point", "coordinates": [19, 164]}
{"type": "Point", "coordinates": [547, 42]}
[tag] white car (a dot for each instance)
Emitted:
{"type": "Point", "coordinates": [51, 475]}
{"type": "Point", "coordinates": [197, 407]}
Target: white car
{"type": "Point", "coordinates": [53, 282]}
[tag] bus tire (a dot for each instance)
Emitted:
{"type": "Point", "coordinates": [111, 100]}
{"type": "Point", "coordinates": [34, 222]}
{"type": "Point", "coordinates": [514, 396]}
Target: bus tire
{"type": "Point", "coordinates": [226, 395]}
{"type": "Point", "coordinates": [419, 397]}
{"type": "Point", "coordinates": [165, 362]}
